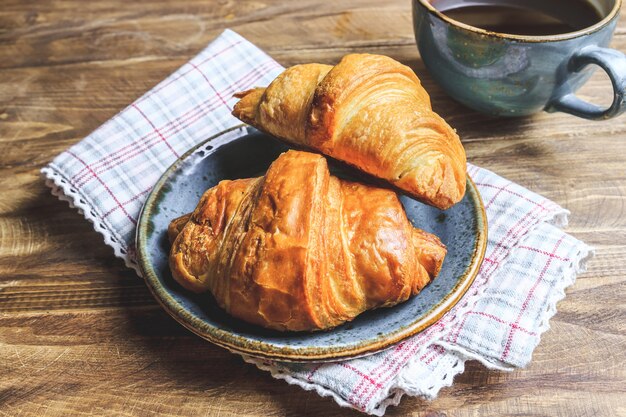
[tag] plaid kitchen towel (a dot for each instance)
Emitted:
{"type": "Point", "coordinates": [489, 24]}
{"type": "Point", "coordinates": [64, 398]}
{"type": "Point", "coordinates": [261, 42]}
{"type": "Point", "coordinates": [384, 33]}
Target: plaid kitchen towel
{"type": "Point", "coordinates": [529, 260]}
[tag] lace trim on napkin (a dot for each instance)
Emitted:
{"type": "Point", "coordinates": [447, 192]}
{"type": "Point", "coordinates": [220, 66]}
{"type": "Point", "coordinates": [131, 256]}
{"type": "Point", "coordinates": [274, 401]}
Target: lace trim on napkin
{"type": "Point", "coordinates": [61, 188]}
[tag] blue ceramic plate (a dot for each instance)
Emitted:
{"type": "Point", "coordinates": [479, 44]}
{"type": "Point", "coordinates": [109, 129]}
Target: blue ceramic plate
{"type": "Point", "coordinates": [244, 152]}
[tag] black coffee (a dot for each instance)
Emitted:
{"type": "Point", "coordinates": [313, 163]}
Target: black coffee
{"type": "Point", "coordinates": [522, 17]}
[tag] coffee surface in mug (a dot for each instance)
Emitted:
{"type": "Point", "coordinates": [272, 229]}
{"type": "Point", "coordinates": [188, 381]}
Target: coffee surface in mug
{"type": "Point", "coordinates": [522, 17]}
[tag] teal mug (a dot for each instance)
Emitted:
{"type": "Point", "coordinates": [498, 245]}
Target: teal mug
{"type": "Point", "coordinates": [517, 75]}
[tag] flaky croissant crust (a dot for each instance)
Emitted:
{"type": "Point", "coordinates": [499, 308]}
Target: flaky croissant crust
{"type": "Point", "coordinates": [369, 111]}
{"type": "Point", "coordinates": [299, 249]}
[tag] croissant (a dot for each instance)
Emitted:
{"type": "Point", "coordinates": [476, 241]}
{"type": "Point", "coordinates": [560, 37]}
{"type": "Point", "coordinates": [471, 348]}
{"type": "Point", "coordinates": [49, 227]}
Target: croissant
{"type": "Point", "coordinates": [369, 111]}
{"type": "Point", "coordinates": [299, 249]}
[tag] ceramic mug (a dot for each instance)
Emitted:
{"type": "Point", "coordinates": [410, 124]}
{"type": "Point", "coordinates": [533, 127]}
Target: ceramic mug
{"type": "Point", "coordinates": [517, 75]}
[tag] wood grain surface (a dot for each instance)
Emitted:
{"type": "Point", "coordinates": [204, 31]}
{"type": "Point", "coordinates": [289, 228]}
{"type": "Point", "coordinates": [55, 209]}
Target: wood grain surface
{"type": "Point", "coordinates": [81, 335]}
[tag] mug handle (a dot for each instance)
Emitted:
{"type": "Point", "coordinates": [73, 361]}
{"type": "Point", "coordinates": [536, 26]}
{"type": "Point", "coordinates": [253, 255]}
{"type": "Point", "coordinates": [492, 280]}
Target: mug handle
{"type": "Point", "coordinates": [611, 61]}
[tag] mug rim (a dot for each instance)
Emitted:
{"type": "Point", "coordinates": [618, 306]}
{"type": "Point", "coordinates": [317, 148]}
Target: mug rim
{"type": "Point", "coordinates": [526, 38]}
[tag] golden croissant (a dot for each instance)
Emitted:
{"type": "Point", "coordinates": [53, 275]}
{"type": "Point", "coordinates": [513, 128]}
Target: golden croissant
{"type": "Point", "coordinates": [299, 249]}
{"type": "Point", "coordinates": [369, 111]}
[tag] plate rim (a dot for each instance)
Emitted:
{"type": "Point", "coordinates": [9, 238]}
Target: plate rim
{"type": "Point", "coordinates": [260, 349]}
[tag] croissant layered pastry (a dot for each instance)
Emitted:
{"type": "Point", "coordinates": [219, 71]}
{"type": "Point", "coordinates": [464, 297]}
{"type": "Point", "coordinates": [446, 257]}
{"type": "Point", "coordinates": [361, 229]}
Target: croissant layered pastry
{"type": "Point", "coordinates": [369, 111]}
{"type": "Point", "coordinates": [299, 249]}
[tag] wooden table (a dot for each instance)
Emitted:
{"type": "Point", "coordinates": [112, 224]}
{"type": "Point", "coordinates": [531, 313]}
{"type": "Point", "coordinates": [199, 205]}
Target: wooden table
{"type": "Point", "coordinates": [81, 335]}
